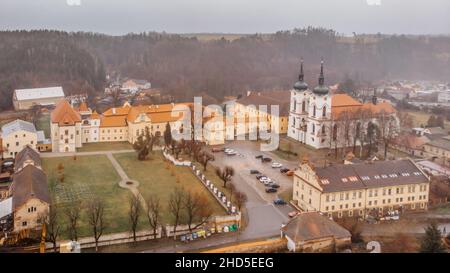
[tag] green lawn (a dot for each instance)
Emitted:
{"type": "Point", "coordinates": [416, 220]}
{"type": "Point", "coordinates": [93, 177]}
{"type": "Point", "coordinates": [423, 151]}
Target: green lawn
{"type": "Point", "coordinates": [86, 177]}
{"type": "Point", "coordinates": [43, 123]}
{"type": "Point", "coordinates": [421, 118]}
{"type": "Point", "coordinates": [156, 176]}
{"type": "Point", "coordinates": [105, 146]}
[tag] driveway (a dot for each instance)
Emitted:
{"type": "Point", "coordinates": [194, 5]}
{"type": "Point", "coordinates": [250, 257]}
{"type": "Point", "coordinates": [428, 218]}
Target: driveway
{"type": "Point", "coordinates": [265, 219]}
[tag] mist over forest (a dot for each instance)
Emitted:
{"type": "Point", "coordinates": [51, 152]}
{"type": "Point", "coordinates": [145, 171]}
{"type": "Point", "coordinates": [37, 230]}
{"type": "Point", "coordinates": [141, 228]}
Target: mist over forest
{"type": "Point", "coordinates": [187, 66]}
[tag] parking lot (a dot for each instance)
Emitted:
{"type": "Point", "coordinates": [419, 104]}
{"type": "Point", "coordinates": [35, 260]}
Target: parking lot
{"type": "Point", "coordinates": [260, 205]}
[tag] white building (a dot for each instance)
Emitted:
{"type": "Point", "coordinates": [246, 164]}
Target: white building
{"type": "Point", "coordinates": [16, 135]}
{"type": "Point", "coordinates": [321, 119]}
{"type": "Point", "coordinates": [24, 99]}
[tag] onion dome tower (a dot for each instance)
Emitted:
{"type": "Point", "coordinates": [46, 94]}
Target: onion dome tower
{"type": "Point", "coordinates": [301, 85]}
{"type": "Point", "coordinates": [321, 89]}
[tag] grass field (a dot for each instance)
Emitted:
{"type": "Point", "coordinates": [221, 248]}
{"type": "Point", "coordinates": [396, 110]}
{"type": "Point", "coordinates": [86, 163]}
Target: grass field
{"type": "Point", "coordinates": [86, 177]}
{"type": "Point", "coordinates": [105, 146]}
{"type": "Point", "coordinates": [421, 119]}
{"type": "Point", "coordinates": [43, 123]}
{"type": "Point", "coordinates": [155, 176]}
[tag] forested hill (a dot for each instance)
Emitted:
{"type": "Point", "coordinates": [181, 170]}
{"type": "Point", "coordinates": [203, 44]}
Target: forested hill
{"type": "Point", "coordinates": [45, 58]}
{"type": "Point", "coordinates": [186, 66]}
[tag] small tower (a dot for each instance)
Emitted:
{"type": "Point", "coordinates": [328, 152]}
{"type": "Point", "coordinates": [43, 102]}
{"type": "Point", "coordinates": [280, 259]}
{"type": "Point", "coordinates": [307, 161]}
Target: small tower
{"type": "Point", "coordinates": [374, 97]}
{"type": "Point", "coordinates": [301, 85]}
{"type": "Point", "coordinates": [321, 89]}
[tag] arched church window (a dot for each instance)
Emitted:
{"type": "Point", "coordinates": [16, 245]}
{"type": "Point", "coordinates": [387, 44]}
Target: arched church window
{"type": "Point", "coordinates": [335, 129]}
{"type": "Point", "coordinates": [313, 128]}
{"type": "Point", "coordinates": [324, 130]}
{"type": "Point", "coordinates": [324, 111]}
{"type": "Point", "coordinates": [303, 106]}
{"type": "Point", "coordinates": [314, 111]}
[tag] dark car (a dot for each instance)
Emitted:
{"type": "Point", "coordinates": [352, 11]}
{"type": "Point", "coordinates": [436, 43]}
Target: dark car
{"type": "Point", "coordinates": [271, 190]}
{"type": "Point", "coordinates": [279, 201]}
{"type": "Point", "coordinates": [275, 186]}
{"type": "Point", "coordinates": [259, 156]}
{"type": "Point", "coordinates": [266, 159]}
{"type": "Point", "coordinates": [254, 172]}
{"type": "Point", "coordinates": [284, 170]}
{"type": "Point", "coordinates": [259, 176]}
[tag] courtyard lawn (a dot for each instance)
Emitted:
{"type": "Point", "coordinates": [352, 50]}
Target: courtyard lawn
{"type": "Point", "coordinates": [84, 178]}
{"type": "Point", "coordinates": [43, 123]}
{"type": "Point", "coordinates": [158, 177]}
{"type": "Point", "coordinates": [105, 146]}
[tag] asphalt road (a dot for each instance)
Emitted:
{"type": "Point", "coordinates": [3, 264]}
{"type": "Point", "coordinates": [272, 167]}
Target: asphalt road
{"type": "Point", "coordinates": [264, 218]}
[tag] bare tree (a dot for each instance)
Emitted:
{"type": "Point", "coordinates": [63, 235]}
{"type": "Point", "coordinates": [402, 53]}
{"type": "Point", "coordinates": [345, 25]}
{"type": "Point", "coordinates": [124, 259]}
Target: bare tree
{"type": "Point", "coordinates": [72, 213]}
{"type": "Point", "coordinates": [134, 213]}
{"type": "Point", "coordinates": [197, 209]}
{"type": "Point", "coordinates": [240, 199]}
{"type": "Point", "coordinates": [176, 203]}
{"type": "Point", "coordinates": [153, 212]}
{"type": "Point", "coordinates": [52, 225]}
{"type": "Point", "coordinates": [387, 130]}
{"type": "Point", "coordinates": [225, 175]}
{"type": "Point", "coordinates": [95, 211]}
{"type": "Point", "coordinates": [204, 158]}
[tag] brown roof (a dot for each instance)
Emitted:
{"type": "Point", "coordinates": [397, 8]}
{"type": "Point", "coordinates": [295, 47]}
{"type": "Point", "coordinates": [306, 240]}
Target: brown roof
{"type": "Point", "coordinates": [26, 154]}
{"type": "Point", "coordinates": [375, 174]}
{"type": "Point", "coordinates": [281, 98]}
{"type": "Point", "coordinates": [64, 114]}
{"type": "Point", "coordinates": [341, 103]}
{"type": "Point", "coordinates": [312, 226]}
{"type": "Point", "coordinates": [31, 182]}
{"type": "Point", "coordinates": [411, 141]}
{"type": "Point", "coordinates": [157, 113]}
{"type": "Point", "coordinates": [83, 107]}
{"type": "Point", "coordinates": [95, 115]}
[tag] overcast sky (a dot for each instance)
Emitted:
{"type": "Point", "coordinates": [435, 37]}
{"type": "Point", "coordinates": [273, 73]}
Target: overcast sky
{"type": "Point", "coordinates": [228, 16]}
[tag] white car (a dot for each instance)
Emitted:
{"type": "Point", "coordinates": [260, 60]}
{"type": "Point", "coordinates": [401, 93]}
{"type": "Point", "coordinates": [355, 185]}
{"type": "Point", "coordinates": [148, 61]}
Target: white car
{"type": "Point", "coordinates": [277, 165]}
{"type": "Point", "coordinates": [264, 179]}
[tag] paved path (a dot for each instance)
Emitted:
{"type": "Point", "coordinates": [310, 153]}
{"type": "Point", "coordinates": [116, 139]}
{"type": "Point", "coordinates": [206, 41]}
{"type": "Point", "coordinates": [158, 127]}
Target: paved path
{"type": "Point", "coordinates": [50, 155]}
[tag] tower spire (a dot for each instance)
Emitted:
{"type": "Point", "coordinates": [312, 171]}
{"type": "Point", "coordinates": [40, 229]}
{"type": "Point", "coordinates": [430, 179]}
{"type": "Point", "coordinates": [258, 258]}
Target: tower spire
{"type": "Point", "coordinates": [322, 77]}
{"type": "Point", "coordinates": [374, 97]}
{"type": "Point", "coordinates": [302, 75]}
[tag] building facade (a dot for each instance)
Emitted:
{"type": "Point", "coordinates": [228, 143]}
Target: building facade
{"type": "Point", "coordinates": [24, 99]}
{"type": "Point", "coordinates": [361, 189]}
{"type": "Point", "coordinates": [321, 119]}
{"type": "Point", "coordinates": [16, 135]}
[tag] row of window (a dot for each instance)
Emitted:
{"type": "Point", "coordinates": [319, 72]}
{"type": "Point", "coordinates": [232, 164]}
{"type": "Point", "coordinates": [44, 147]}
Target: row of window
{"type": "Point", "coordinates": [18, 144]}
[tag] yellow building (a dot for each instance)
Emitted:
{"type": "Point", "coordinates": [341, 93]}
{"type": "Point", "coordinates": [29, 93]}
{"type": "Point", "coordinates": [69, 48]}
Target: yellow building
{"type": "Point", "coordinates": [16, 135]}
{"type": "Point", "coordinates": [360, 189]}
{"type": "Point", "coordinates": [248, 108]}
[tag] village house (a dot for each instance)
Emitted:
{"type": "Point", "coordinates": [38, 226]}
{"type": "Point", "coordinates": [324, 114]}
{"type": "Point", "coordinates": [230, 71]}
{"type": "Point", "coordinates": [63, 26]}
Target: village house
{"type": "Point", "coordinates": [18, 134]}
{"type": "Point", "coordinates": [439, 149]}
{"type": "Point", "coordinates": [134, 85]}
{"type": "Point", "coordinates": [360, 189]}
{"type": "Point", "coordinates": [313, 232]}
{"type": "Point", "coordinates": [24, 99]}
{"type": "Point", "coordinates": [30, 198]}
{"type": "Point", "coordinates": [322, 119]}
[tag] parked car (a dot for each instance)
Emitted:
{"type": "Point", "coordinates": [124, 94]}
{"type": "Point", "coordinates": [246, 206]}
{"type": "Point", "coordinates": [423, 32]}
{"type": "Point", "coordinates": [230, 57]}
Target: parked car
{"type": "Point", "coordinates": [290, 173]}
{"type": "Point", "coordinates": [275, 185]}
{"type": "Point", "coordinates": [293, 213]}
{"type": "Point", "coordinates": [259, 156]}
{"type": "Point", "coordinates": [259, 176]}
{"type": "Point", "coordinates": [271, 190]}
{"type": "Point", "coordinates": [264, 179]}
{"type": "Point", "coordinates": [279, 201]}
{"type": "Point", "coordinates": [254, 172]}
{"type": "Point", "coordinates": [230, 152]}
{"type": "Point", "coordinates": [277, 165]}
{"type": "Point", "coordinates": [266, 159]}
{"type": "Point", "coordinates": [284, 170]}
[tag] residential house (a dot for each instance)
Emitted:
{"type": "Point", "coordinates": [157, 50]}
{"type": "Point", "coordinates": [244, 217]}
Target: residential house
{"type": "Point", "coordinates": [30, 198]}
{"type": "Point", "coordinates": [16, 135]}
{"type": "Point", "coordinates": [313, 232]}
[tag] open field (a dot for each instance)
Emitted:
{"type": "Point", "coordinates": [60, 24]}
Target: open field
{"type": "Point", "coordinates": [421, 119]}
{"type": "Point", "coordinates": [84, 178]}
{"type": "Point", "coordinates": [156, 176]}
{"type": "Point", "coordinates": [105, 146]}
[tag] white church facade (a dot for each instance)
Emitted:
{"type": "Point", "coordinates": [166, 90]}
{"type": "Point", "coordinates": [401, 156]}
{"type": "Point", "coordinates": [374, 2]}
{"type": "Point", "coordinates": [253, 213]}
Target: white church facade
{"type": "Point", "coordinates": [321, 119]}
